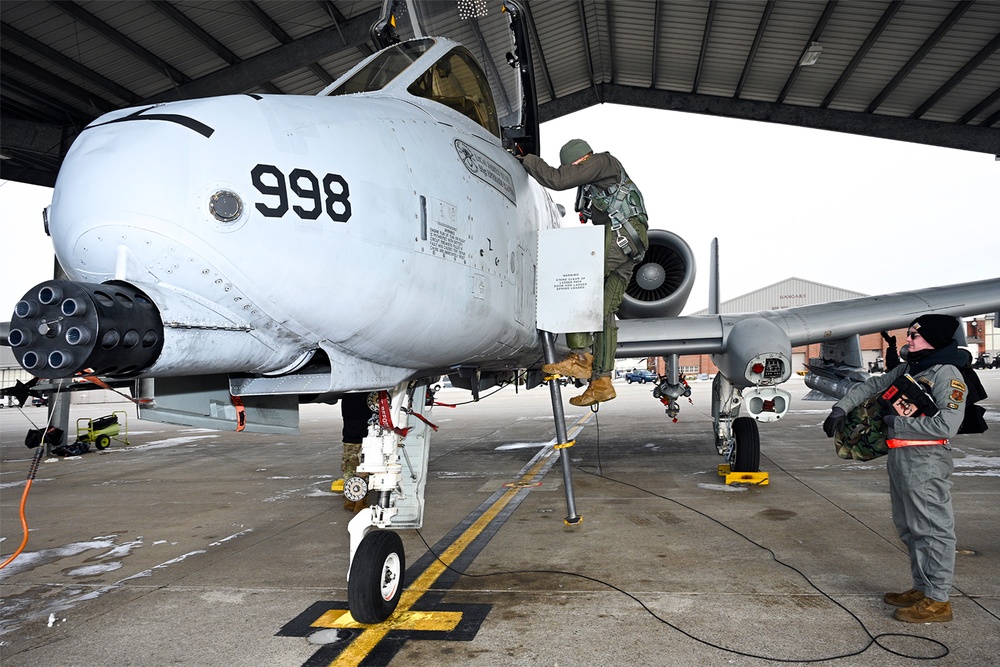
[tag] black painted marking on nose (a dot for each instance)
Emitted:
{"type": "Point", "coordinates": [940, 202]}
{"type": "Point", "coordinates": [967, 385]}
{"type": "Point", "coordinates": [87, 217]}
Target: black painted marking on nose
{"type": "Point", "coordinates": [190, 123]}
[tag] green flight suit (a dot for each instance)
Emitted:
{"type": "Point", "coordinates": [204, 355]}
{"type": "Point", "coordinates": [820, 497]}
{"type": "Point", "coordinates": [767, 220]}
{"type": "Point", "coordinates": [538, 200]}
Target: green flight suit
{"type": "Point", "coordinates": [602, 170]}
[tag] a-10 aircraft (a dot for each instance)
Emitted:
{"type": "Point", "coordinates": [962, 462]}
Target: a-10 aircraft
{"type": "Point", "coordinates": [240, 255]}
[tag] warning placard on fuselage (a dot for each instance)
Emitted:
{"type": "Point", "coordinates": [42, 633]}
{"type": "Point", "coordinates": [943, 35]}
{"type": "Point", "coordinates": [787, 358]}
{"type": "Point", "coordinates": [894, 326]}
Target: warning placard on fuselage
{"type": "Point", "coordinates": [570, 279]}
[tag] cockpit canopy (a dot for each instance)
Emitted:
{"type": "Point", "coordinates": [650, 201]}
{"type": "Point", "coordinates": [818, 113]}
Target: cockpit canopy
{"type": "Point", "coordinates": [454, 80]}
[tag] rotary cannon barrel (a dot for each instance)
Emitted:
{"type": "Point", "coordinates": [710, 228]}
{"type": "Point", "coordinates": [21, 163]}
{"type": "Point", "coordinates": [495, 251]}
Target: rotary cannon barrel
{"type": "Point", "coordinates": [61, 328]}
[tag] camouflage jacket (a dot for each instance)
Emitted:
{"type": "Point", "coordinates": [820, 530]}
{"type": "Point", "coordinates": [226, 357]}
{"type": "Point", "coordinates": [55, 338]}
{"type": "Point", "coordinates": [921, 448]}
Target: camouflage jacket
{"type": "Point", "coordinates": [943, 382]}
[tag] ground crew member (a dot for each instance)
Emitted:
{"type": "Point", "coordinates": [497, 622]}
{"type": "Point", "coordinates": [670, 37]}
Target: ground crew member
{"type": "Point", "coordinates": [608, 197]}
{"type": "Point", "coordinates": [920, 464]}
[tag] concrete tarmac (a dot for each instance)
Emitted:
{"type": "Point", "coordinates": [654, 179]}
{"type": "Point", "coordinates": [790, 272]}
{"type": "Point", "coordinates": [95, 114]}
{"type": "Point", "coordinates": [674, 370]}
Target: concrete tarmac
{"type": "Point", "coordinates": [194, 547]}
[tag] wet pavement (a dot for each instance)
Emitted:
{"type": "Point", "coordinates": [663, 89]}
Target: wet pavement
{"type": "Point", "coordinates": [197, 547]}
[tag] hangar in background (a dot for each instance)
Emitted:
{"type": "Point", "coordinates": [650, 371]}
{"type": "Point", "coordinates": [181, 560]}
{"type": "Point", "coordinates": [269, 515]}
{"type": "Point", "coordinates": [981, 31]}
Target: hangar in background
{"type": "Point", "coordinates": [924, 72]}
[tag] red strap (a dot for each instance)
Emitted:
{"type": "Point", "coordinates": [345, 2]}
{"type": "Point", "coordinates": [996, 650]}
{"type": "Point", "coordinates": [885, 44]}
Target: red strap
{"type": "Point", "coordinates": [93, 379]}
{"type": "Point", "coordinates": [421, 418]}
{"type": "Point", "coordinates": [241, 413]}
{"type": "Point", "coordinates": [897, 442]}
{"type": "Point", "coordinates": [385, 416]}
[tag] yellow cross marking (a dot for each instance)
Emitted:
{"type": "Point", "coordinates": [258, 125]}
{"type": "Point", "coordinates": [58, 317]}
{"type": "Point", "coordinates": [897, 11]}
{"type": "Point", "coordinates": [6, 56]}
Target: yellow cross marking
{"type": "Point", "coordinates": [366, 642]}
{"type": "Point", "coordinates": [409, 620]}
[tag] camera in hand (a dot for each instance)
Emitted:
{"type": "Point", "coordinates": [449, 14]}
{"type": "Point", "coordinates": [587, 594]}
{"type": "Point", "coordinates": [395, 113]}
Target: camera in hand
{"type": "Point", "coordinates": [907, 398]}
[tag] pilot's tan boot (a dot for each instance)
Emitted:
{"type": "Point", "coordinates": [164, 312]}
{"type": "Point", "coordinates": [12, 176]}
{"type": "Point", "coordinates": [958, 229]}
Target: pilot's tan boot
{"type": "Point", "coordinates": [600, 390]}
{"type": "Point", "coordinates": [575, 365]}
{"type": "Point", "coordinates": [905, 599]}
{"type": "Point", "coordinates": [925, 611]}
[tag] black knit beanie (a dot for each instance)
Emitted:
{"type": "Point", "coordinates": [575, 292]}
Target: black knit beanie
{"type": "Point", "coordinates": [938, 330]}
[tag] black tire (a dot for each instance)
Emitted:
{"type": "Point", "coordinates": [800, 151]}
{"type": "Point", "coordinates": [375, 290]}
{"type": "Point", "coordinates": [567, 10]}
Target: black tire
{"type": "Point", "coordinates": [628, 380]}
{"type": "Point", "coordinates": [747, 457]}
{"type": "Point", "coordinates": [376, 579]}
{"type": "Point", "coordinates": [102, 442]}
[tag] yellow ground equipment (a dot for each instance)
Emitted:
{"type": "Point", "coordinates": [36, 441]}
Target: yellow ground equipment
{"type": "Point", "coordinates": [101, 431]}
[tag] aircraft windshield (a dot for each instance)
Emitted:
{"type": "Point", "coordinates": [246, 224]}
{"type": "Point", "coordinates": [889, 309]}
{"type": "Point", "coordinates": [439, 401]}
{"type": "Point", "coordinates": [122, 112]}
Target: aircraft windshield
{"type": "Point", "coordinates": [456, 81]}
{"type": "Point", "coordinates": [481, 28]}
{"type": "Point", "coordinates": [384, 68]}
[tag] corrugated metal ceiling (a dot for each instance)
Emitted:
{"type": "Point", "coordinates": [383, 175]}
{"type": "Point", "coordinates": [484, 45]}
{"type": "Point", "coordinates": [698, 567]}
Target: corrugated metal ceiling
{"type": "Point", "coordinates": [921, 70]}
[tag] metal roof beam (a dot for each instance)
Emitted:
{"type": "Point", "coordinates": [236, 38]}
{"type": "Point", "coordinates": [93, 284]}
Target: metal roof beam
{"type": "Point", "coordinates": [40, 74]}
{"type": "Point", "coordinates": [29, 43]}
{"type": "Point", "coordinates": [121, 41]}
{"type": "Point", "coordinates": [654, 70]}
{"type": "Point", "coordinates": [814, 37]}
{"type": "Point", "coordinates": [28, 136]}
{"type": "Point", "coordinates": [609, 32]}
{"type": "Point", "coordinates": [274, 63]}
{"type": "Point", "coordinates": [37, 103]}
{"type": "Point", "coordinates": [541, 55]}
{"type": "Point", "coordinates": [706, 34]}
{"type": "Point", "coordinates": [869, 42]}
{"type": "Point", "coordinates": [987, 102]}
{"type": "Point", "coordinates": [761, 27]}
{"type": "Point", "coordinates": [921, 53]}
{"type": "Point", "coordinates": [949, 135]}
{"type": "Point", "coordinates": [283, 37]}
{"type": "Point", "coordinates": [209, 42]}
{"type": "Point", "coordinates": [586, 47]}
{"type": "Point", "coordinates": [990, 122]}
{"type": "Point", "coordinates": [966, 69]}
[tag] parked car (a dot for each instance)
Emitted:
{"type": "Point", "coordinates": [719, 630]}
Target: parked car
{"type": "Point", "coordinates": [641, 377]}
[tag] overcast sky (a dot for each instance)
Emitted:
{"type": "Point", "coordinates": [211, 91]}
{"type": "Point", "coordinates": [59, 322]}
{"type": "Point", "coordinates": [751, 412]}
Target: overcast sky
{"type": "Point", "coordinates": [868, 215]}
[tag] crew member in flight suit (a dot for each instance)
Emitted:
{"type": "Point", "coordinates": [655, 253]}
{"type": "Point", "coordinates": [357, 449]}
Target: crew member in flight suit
{"type": "Point", "coordinates": [920, 463]}
{"type": "Point", "coordinates": [608, 197]}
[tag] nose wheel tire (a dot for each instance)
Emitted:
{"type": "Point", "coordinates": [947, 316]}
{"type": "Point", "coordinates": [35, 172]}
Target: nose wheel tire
{"type": "Point", "coordinates": [376, 579]}
{"type": "Point", "coordinates": [747, 455]}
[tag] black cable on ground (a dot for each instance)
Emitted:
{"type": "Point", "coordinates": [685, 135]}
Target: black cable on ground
{"type": "Point", "coordinates": [873, 639]}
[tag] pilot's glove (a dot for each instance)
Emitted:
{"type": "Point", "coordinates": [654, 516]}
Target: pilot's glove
{"type": "Point", "coordinates": [834, 422]}
{"type": "Point", "coordinates": [889, 420]}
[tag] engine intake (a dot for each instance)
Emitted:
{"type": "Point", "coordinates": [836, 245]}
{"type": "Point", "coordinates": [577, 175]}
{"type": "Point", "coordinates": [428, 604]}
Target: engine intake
{"type": "Point", "coordinates": [662, 282]}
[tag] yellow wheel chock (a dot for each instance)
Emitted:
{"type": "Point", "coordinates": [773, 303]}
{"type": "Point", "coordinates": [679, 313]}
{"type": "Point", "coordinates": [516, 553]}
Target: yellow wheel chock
{"type": "Point", "coordinates": [743, 478]}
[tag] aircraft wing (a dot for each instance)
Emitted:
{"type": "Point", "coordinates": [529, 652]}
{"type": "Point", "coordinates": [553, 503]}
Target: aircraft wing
{"type": "Point", "coordinates": [710, 334]}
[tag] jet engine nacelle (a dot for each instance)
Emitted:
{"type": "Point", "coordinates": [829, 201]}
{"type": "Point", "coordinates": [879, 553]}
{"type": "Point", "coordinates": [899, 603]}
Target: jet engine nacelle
{"type": "Point", "coordinates": [662, 282]}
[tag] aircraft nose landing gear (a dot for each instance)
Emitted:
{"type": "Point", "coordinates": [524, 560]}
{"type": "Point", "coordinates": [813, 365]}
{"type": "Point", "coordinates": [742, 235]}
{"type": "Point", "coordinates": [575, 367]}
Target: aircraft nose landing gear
{"type": "Point", "coordinates": [395, 462]}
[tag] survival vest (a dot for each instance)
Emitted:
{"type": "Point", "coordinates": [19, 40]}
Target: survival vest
{"type": "Point", "coordinates": [621, 202]}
